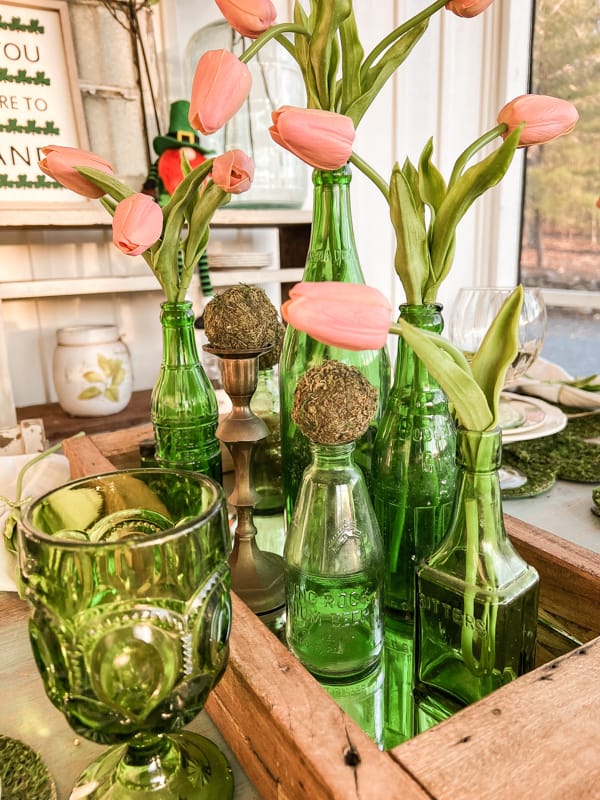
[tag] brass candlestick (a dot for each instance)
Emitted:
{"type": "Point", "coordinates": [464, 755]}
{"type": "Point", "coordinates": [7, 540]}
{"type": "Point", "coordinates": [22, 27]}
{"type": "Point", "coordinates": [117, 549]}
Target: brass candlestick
{"type": "Point", "coordinates": [256, 576]}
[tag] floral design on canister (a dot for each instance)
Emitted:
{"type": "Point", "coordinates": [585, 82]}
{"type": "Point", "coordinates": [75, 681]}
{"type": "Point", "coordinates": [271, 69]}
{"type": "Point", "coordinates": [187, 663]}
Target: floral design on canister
{"type": "Point", "coordinates": [92, 370]}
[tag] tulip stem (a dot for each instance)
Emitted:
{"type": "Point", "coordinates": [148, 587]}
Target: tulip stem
{"type": "Point", "coordinates": [470, 151]}
{"type": "Point", "coordinates": [400, 31]}
{"type": "Point", "coordinates": [371, 173]}
{"type": "Point", "coordinates": [275, 31]}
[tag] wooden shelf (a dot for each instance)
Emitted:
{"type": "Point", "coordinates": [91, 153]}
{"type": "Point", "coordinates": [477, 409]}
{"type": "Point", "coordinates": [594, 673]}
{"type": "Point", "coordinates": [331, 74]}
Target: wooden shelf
{"type": "Point", "coordinates": [60, 425]}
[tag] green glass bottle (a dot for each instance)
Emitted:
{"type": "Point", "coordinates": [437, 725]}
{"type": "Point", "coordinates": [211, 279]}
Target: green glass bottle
{"type": "Point", "coordinates": [414, 467]}
{"type": "Point", "coordinates": [477, 599]}
{"type": "Point", "coordinates": [363, 701]}
{"type": "Point", "coordinates": [183, 406]}
{"type": "Point", "coordinates": [334, 569]}
{"type": "Point", "coordinates": [332, 256]}
{"type": "Point", "coordinates": [266, 467]}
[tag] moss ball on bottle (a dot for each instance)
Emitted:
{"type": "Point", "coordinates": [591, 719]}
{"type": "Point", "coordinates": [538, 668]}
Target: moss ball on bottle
{"type": "Point", "coordinates": [333, 403]}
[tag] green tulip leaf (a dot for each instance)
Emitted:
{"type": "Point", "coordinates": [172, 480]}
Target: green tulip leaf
{"type": "Point", "coordinates": [374, 78]}
{"type": "Point", "coordinates": [352, 56]}
{"type": "Point", "coordinates": [111, 186]}
{"type": "Point", "coordinates": [461, 195]}
{"type": "Point", "coordinates": [498, 350]}
{"type": "Point", "coordinates": [448, 365]}
{"type": "Point", "coordinates": [432, 186]}
{"type": "Point", "coordinates": [411, 260]}
{"type": "Point", "coordinates": [326, 19]}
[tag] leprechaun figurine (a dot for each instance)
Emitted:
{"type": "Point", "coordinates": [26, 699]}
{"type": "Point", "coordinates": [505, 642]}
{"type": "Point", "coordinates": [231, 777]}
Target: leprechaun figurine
{"type": "Point", "coordinates": [165, 174]}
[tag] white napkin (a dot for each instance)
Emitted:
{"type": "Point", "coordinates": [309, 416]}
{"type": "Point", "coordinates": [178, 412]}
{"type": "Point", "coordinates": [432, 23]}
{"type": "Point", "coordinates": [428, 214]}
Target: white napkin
{"type": "Point", "coordinates": [544, 379]}
{"type": "Point", "coordinates": [51, 471]}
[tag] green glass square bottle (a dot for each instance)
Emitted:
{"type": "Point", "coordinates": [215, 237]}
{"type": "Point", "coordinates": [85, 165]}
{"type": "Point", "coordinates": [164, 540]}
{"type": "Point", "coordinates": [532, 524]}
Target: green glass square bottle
{"type": "Point", "coordinates": [477, 599]}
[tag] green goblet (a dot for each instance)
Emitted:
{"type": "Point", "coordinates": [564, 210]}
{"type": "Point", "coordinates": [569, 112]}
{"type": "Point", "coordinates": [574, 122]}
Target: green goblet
{"type": "Point", "coordinates": [127, 579]}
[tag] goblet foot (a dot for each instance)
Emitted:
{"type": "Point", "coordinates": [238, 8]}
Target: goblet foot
{"type": "Point", "coordinates": [174, 766]}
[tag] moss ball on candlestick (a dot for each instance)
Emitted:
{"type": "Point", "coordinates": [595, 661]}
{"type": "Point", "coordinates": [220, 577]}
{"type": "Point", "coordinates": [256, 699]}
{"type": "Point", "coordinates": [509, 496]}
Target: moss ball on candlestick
{"type": "Point", "coordinates": [333, 403]}
{"type": "Point", "coordinates": [271, 358]}
{"type": "Point", "coordinates": [241, 317]}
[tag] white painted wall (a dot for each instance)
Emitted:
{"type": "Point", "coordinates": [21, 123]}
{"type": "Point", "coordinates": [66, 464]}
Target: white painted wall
{"type": "Point", "coordinates": [451, 88]}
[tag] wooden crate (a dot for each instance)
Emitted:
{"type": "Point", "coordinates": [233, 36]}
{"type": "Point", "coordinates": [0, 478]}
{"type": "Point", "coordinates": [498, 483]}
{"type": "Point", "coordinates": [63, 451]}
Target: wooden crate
{"type": "Point", "coordinates": [537, 737]}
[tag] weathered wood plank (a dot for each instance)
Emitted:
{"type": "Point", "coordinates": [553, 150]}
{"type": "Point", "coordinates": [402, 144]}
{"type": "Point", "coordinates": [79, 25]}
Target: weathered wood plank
{"type": "Point", "coordinates": [537, 737]}
{"type": "Point", "coordinates": [291, 738]}
{"type": "Point", "coordinates": [569, 578]}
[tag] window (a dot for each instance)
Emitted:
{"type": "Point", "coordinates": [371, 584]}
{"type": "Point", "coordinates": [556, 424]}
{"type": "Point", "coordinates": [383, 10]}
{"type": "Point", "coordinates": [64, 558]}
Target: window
{"type": "Point", "coordinates": [560, 248]}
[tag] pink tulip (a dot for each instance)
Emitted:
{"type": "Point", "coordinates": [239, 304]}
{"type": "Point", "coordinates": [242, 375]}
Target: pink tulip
{"type": "Point", "coordinates": [545, 118]}
{"type": "Point", "coordinates": [60, 164]}
{"type": "Point", "coordinates": [347, 315]}
{"type": "Point", "coordinates": [322, 139]}
{"type": "Point", "coordinates": [248, 17]}
{"type": "Point", "coordinates": [468, 8]}
{"type": "Point", "coordinates": [233, 172]}
{"type": "Point", "coordinates": [221, 85]}
{"type": "Point", "coordinates": [137, 224]}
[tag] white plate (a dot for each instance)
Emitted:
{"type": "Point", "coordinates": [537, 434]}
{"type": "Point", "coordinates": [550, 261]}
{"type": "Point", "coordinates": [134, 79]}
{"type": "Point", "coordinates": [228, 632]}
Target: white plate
{"type": "Point", "coordinates": [531, 414]}
{"type": "Point", "coordinates": [238, 260]}
{"type": "Point", "coordinates": [554, 421]}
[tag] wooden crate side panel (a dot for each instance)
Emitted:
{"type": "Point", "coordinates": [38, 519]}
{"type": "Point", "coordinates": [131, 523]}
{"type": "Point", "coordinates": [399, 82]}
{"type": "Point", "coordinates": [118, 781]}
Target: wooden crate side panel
{"type": "Point", "coordinates": [569, 578]}
{"type": "Point", "coordinates": [536, 737]}
{"type": "Point", "coordinates": [291, 738]}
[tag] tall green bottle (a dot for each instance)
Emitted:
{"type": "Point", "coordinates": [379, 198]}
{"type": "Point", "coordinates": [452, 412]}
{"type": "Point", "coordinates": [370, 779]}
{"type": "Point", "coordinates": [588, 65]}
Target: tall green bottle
{"type": "Point", "coordinates": [332, 256]}
{"type": "Point", "coordinates": [414, 468]}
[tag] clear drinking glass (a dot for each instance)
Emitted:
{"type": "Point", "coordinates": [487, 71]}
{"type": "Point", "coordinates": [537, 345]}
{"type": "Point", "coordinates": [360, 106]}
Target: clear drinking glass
{"type": "Point", "coordinates": [127, 579]}
{"type": "Point", "coordinates": [472, 313]}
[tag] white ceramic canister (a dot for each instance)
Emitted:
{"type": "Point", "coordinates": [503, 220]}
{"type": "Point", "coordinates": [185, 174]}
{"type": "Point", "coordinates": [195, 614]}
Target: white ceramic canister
{"type": "Point", "coordinates": [92, 370]}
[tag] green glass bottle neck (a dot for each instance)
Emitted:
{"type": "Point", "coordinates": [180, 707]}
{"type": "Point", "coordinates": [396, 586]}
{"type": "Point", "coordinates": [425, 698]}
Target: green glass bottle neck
{"type": "Point", "coordinates": [179, 341]}
{"type": "Point", "coordinates": [426, 317]}
{"type": "Point", "coordinates": [332, 253]}
{"type": "Point", "coordinates": [480, 452]}
{"type": "Point", "coordinates": [479, 495]}
{"type": "Point", "coordinates": [410, 370]}
{"type": "Point", "coordinates": [332, 455]}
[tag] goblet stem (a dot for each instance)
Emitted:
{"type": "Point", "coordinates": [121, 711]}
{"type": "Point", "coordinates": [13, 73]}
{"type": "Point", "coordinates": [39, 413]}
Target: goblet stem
{"type": "Point", "coordinates": [165, 767]}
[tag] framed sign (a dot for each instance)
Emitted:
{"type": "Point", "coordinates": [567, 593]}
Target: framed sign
{"type": "Point", "coordinates": [40, 105]}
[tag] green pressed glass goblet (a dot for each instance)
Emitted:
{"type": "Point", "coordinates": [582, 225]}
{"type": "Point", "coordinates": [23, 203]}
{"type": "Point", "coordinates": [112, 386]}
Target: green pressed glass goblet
{"type": "Point", "coordinates": [127, 579]}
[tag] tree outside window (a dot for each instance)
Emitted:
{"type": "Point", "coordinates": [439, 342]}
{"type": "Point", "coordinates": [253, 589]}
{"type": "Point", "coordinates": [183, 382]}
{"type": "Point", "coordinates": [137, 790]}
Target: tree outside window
{"type": "Point", "coordinates": [561, 220]}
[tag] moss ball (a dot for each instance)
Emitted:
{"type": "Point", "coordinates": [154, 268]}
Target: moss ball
{"type": "Point", "coordinates": [241, 317]}
{"type": "Point", "coordinates": [271, 358]}
{"type": "Point", "coordinates": [333, 403]}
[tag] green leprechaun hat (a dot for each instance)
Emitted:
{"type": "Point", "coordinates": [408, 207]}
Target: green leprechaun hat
{"type": "Point", "coordinates": [180, 134]}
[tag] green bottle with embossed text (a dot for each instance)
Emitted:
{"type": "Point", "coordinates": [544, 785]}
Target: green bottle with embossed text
{"type": "Point", "coordinates": [334, 569]}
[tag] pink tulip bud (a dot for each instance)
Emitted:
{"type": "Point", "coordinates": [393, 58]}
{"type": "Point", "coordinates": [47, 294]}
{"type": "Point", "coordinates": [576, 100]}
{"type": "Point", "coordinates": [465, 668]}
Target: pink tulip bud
{"type": "Point", "coordinates": [60, 165]}
{"type": "Point", "coordinates": [468, 8]}
{"type": "Point", "coordinates": [233, 172]}
{"type": "Point", "coordinates": [347, 315]}
{"type": "Point", "coordinates": [248, 17]}
{"type": "Point", "coordinates": [322, 139]}
{"type": "Point", "coordinates": [220, 86]}
{"type": "Point", "coordinates": [545, 118]}
{"type": "Point", "coordinates": [137, 224]}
